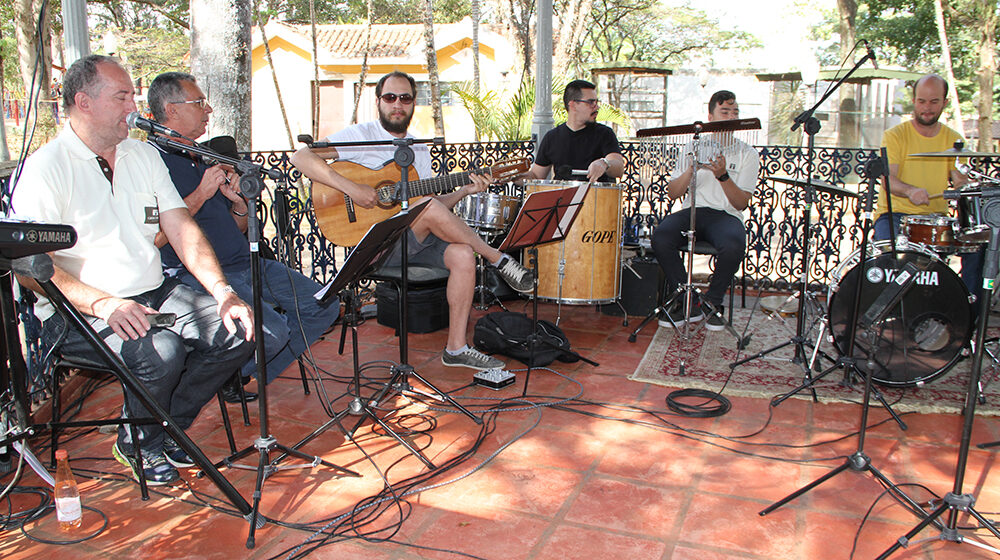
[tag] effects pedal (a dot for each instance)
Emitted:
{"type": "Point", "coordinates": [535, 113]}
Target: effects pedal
{"type": "Point", "coordinates": [493, 378]}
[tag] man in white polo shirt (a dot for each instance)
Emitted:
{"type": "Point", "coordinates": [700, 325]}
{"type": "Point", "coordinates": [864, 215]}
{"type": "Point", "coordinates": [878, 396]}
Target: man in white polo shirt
{"type": "Point", "coordinates": [117, 193]}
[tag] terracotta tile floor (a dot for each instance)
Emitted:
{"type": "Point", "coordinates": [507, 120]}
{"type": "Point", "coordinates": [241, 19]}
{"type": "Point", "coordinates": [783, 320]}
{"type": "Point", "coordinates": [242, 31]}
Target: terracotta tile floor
{"type": "Point", "coordinates": [543, 478]}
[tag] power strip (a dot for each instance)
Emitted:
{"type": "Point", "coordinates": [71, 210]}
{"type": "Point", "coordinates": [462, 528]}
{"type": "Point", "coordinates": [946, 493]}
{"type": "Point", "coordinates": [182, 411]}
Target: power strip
{"type": "Point", "coordinates": [493, 378]}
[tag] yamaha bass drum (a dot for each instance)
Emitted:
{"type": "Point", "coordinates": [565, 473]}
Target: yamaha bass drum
{"type": "Point", "coordinates": [924, 335]}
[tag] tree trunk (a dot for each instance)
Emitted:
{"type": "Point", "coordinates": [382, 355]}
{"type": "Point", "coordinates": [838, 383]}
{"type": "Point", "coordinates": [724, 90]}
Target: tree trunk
{"type": "Point", "coordinates": [987, 55]}
{"type": "Point", "coordinates": [4, 152]}
{"type": "Point", "coordinates": [570, 35]}
{"type": "Point", "coordinates": [949, 73]}
{"type": "Point", "coordinates": [277, 87]}
{"type": "Point", "coordinates": [315, 57]}
{"type": "Point", "coordinates": [25, 12]}
{"type": "Point", "coordinates": [220, 58]}
{"type": "Point", "coordinates": [475, 52]}
{"type": "Point", "coordinates": [517, 16]}
{"type": "Point", "coordinates": [432, 67]}
{"type": "Point", "coordinates": [363, 77]}
{"type": "Point", "coordinates": [847, 116]}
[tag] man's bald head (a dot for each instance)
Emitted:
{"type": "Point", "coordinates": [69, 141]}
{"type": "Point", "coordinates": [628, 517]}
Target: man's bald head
{"type": "Point", "coordinates": [931, 80]}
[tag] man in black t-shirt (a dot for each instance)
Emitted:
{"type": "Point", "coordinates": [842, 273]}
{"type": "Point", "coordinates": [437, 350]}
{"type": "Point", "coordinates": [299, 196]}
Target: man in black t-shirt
{"type": "Point", "coordinates": [580, 143]}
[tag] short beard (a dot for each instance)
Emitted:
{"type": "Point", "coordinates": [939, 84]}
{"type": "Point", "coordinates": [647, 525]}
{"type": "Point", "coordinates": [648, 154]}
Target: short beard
{"type": "Point", "coordinates": [398, 128]}
{"type": "Point", "coordinates": [922, 122]}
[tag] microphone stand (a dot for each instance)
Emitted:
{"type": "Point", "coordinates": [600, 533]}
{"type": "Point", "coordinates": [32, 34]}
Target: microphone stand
{"type": "Point", "coordinates": [251, 185]}
{"type": "Point", "coordinates": [400, 374]}
{"type": "Point", "coordinates": [811, 126]}
{"type": "Point", "coordinates": [399, 381]}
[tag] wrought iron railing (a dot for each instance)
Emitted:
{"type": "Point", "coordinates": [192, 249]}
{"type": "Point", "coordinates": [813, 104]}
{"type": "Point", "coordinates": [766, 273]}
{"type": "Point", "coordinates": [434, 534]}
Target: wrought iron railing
{"type": "Point", "coordinates": [774, 220]}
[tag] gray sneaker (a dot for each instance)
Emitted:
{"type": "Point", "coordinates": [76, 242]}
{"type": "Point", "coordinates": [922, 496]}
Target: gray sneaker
{"type": "Point", "coordinates": [515, 274]}
{"type": "Point", "coordinates": [471, 358]}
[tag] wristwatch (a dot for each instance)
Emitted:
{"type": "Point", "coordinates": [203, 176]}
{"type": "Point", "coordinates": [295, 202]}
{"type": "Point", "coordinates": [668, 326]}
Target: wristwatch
{"type": "Point", "coordinates": [723, 178]}
{"type": "Point", "coordinates": [227, 289]}
{"type": "Point", "coordinates": [607, 164]}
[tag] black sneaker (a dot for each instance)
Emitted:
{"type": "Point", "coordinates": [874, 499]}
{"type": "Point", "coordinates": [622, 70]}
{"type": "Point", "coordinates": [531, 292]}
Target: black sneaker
{"type": "Point", "coordinates": [471, 358]}
{"type": "Point", "coordinates": [717, 321]}
{"type": "Point", "coordinates": [175, 455]}
{"type": "Point", "coordinates": [676, 313]}
{"type": "Point", "coordinates": [156, 469]}
{"type": "Point", "coordinates": [515, 274]}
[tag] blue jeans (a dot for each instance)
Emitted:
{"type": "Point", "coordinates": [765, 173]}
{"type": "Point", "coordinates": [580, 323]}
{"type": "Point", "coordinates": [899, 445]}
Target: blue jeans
{"type": "Point", "coordinates": [288, 332]}
{"type": "Point", "coordinates": [723, 231]}
{"type": "Point", "coordinates": [182, 366]}
{"type": "Point", "coordinates": [972, 263]}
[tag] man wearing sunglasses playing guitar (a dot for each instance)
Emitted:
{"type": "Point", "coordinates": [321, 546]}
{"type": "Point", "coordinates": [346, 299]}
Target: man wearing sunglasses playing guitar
{"type": "Point", "coordinates": [437, 237]}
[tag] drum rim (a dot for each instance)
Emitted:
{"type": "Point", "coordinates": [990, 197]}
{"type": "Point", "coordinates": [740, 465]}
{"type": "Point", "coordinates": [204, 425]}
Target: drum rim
{"type": "Point", "coordinates": [929, 219]}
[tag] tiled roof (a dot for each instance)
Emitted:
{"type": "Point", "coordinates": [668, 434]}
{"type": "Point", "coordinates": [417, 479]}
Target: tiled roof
{"type": "Point", "coordinates": [348, 41]}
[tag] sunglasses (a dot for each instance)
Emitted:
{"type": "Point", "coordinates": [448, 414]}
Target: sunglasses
{"type": "Point", "coordinates": [591, 102]}
{"type": "Point", "coordinates": [199, 102]}
{"type": "Point", "coordinates": [405, 98]}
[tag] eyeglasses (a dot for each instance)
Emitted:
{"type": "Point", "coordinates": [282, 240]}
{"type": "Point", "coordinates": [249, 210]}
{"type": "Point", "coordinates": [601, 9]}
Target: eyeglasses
{"type": "Point", "coordinates": [591, 102]}
{"type": "Point", "coordinates": [202, 103]}
{"type": "Point", "coordinates": [405, 98]}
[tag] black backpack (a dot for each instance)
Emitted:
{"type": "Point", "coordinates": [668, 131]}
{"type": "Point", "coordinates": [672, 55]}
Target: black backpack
{"type": "Point", "coordinates": [504, 332]}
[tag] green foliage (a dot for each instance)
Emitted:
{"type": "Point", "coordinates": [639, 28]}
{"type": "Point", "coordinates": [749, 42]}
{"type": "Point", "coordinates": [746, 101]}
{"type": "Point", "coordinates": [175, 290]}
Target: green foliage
{"type": "Point", "coordinates": [646, 30]}
{"type": "Point", "coordinates": [383, 11]}
{"type": "Point", "coordinates": [148, 52]}
{"type": "Point", "coordinates": [507, 116]}
{"type": "Point", "coordinates": [905, 33]}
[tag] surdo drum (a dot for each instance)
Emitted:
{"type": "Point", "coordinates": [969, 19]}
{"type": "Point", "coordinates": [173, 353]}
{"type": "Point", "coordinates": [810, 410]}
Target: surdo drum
{"type": "Point", "coordinates": [584, 268]}
{"type": "Point", "coordinates": [924, 334]}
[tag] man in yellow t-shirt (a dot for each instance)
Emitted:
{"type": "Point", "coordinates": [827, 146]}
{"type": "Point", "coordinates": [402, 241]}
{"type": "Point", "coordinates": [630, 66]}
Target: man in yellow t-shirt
{"type": "Point", "coordinates": [913, 181]}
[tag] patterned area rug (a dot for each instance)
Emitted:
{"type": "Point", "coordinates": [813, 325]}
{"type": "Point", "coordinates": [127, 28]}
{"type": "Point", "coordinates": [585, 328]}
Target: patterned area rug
{"type": "Point", "coordinates": [708, 355]}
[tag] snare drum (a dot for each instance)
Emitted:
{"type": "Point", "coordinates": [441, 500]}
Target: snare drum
{"type": "Point", "coordinates": [585, 268]}
{"type": "Point", "coordinates": [488, 211]}
{"type": "Point", "coordinates": [923, 336]}
{"type": "Point", "coordinates": [932, 230]}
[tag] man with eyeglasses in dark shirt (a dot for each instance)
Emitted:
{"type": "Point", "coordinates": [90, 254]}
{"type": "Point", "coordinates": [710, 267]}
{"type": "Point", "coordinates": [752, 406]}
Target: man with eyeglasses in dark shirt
{"type": "Point", "coordinates": [580, 143]}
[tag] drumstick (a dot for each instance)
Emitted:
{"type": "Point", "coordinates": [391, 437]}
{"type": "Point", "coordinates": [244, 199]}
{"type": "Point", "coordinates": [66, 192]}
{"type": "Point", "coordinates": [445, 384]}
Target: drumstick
{"type": "Point", "coordinates": [938, 195]}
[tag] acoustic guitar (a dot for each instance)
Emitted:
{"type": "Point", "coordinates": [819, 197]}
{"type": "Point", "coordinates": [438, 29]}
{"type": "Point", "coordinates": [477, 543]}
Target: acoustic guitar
{"type": "Point", "coordinates": [345, 223]}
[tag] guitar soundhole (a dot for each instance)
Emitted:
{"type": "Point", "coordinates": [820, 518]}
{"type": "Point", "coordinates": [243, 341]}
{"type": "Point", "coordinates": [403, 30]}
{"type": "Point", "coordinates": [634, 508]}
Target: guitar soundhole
{"type": "Point", "coordinates": [385, 197]}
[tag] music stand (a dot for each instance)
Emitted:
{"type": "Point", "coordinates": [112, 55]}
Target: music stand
{"type": "Point", "coordinates": [545, 216]}
{"type": "Point", "coordinates": [367, 255]}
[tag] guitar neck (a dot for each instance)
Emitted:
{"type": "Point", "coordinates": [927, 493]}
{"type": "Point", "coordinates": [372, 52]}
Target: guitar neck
{"type": "Point", "coordinates": [438, 185]}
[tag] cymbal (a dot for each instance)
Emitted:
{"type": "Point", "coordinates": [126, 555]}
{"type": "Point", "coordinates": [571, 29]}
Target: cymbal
{"type": "Point", "coordinates": [785, 305]}
{"type": "Point", "coordinates": [698, 126]}
{"type": "Point", "coordinates": [818, 184]}
{"type": "Point", "coordinates": [955, 152]}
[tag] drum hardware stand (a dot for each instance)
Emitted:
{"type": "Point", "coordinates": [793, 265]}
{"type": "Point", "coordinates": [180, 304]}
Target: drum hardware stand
{"type": "Point", "coordinates": [545, 216]}
{"type": "Point", "coordinates": [887, 300]}
{"type": "Point", "coordinates": [956, 501]}
{"type": "Point", "coordinates": [482, 291]}
{"type": "Point", "coordinates": [811, 126]}
{"type": "Point", "coordinates": [990, 349]}
{"type": "Point", "coordinates": [859, 461]}
{"type": "Point", "coordinates": [688, 290]}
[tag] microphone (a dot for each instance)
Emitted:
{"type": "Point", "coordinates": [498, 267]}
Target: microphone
{"type": "Point", "coordinates": [871, 54]}
{"type": "Point", "coordinates": [135, 120]}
